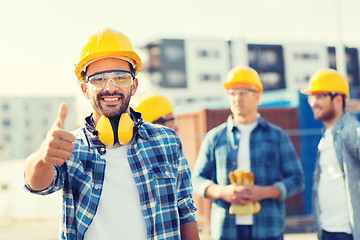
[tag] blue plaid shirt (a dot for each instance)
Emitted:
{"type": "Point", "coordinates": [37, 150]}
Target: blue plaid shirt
{"type": "Point", "coordinates": [273, 162]}
{"type": "Point", "coordinates": [346, 134]}
{"type": "Point", "coordinates": [161, 174]}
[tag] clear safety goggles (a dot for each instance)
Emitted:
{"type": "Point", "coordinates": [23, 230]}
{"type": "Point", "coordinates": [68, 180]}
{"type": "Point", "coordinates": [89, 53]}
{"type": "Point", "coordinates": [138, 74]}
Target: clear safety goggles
{"type": "Point", "coordinates": [121, 78]}
{"type": "Point", "coordinates": [242, 92]}
{"type": "Point", "coordinates": [320, 97]}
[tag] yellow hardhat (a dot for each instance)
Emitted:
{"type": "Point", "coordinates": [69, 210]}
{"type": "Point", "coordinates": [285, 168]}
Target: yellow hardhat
{"type": "Point", "coordinates": [239, 76]}
{"type": "Point", "coordinates": [153, 106]}
{"type": "Point", "coordinates": [106, 43]}
{"type": "Point", "coordinates": [327, 80]}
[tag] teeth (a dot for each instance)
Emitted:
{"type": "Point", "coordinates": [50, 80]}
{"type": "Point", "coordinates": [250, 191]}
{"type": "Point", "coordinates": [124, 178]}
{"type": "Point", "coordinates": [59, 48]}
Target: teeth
{"type": "Point", "coordinates": [111, 99]}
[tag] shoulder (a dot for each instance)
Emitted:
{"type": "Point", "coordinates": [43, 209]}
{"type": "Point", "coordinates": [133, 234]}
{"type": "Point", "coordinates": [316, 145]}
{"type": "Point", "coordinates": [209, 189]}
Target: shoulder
{"type": "Point", "coordinates": [155, 132]}
{"type": "Point", "coordinates": [269, 127]}
{"type": "Point", "coordinates": [217, 132]}
{"type": "Point", "coordinates": [350, 121]}
{"type": "Point", "coordinates": [350, 127]}
{"type": "Point", "coordinates": [79, 134]}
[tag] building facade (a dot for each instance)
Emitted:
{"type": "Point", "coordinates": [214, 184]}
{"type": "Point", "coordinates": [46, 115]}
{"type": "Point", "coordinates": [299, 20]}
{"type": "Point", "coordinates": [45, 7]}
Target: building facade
{"type": "Point", "coordinates": [192, 70]}
{"type": "Point", "coordinates": [25, 121]}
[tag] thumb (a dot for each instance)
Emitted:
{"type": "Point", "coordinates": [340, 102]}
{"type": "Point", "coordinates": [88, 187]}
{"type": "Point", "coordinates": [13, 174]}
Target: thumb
{"type": "Point", "coordinates": [60, 120]}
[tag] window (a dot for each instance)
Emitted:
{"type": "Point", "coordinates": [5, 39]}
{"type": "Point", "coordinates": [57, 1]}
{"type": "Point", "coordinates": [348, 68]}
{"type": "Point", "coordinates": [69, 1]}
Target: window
{"type": "Point", "coordinates": [271, 80]}
{"type": "Point", "coordinates": [7, 138]}
{"type": "Point", "coordinates": [209, 77]}
{"type": "Point", "coordinates": [268, 61]}
{"type": "Point", "coordinates": [174, 54]}
{"type": "Point", "coordinates": [208, 53]}
{"type": "Point", "coordinates": [5, 107]}
{"type": "Point", "coordinates": [47, 107]}
{"type": "Point", "coordinates": [27, 122]}
{"type": "Point", "coordinates": [175, 78]}
{"type": "Point", "coordinates": [306, 56]}
{"type": "Point", "coordinates": [29, 138]}
{"type": "Point", "coordinates": [301, 79]}
{"type": "Point", "coordinates": [6, 122]}
{"type": "Point", "coordinates": [45, 122]}
{"type": "Point", "coordinates": [4, 187]}
{"type": "Point", "coordinates": [352, 64]}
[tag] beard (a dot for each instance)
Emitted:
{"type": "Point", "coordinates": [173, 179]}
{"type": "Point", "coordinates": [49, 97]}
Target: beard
{"type": "Point", "coordinates": [111, 112]}
{"type": "Point", "coordinates": [326, 115]}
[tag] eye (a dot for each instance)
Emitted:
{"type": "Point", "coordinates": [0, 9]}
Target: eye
{"type": "Point", "coordinates": [119, 78]}
{"type": "Point", "coordinates": [96, 79]}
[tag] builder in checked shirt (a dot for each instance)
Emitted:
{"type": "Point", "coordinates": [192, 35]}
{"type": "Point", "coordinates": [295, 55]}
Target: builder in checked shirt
{"type": "Point", "coordinates": [121, 178]}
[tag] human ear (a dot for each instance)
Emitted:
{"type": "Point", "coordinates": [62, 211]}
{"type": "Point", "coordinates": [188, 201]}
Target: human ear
{"type": "Point", "coordinates": [134, 86]}
{"type": "Point", "coordinates": [84, 89]}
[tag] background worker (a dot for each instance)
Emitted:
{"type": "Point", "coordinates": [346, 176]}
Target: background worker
{"type": "Point", "coordinates": [247, 142]}
{"type": "Point", "coordinates": [121, 178]}
{"type": "Point", "coordinates": [336, 183]}
{"type": "Point", "coordinates": [156, 109]}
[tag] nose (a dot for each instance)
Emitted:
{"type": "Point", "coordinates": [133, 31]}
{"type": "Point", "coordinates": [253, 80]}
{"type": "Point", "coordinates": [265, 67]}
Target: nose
{"type": "Point", "coordinates": [111, 85]}
{"type": "Point", "coordinates": [175, 127]}
{"type": "Point", "coordinates": [238, 97]}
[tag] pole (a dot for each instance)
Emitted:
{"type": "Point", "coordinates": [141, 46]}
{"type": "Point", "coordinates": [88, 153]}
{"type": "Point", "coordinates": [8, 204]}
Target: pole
{"type": "Point", "coordinates": [340, 51]}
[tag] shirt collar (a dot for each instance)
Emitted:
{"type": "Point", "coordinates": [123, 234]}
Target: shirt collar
{"type": "Point", "coordinates": [339, 125]}
{"type": "Point", "coordinates": [231, 124]}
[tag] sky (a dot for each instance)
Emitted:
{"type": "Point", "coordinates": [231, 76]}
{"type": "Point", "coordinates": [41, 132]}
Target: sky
{"type": "Point", "coordinates": [40, 40]}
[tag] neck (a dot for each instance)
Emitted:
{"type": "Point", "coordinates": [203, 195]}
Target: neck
{"type": "Point", "coordinates": [245, 119]}
{"type": "Point", "coordinates": [333, 121]}
{"type": "Point", "coordinates": [97, 116]}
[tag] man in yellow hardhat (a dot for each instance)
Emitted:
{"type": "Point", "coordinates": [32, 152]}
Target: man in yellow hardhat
{"type": "Point", "coordinates": [336, 182]}
{"type": "Point", "coordinates": [156, 109]}
{"type": "Point", "coordinates": [248, 145]}
{"type": "Point", "coordinates": [120, 179]}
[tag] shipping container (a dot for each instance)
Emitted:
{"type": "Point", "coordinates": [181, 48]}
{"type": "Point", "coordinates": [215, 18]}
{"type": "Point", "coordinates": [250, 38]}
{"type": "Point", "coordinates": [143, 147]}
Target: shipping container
{"type": "Point", "coordinates": [193, 127]}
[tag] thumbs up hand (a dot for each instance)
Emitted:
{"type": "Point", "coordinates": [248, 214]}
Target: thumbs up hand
{"type": "Point", "coordinates": [57, 146]}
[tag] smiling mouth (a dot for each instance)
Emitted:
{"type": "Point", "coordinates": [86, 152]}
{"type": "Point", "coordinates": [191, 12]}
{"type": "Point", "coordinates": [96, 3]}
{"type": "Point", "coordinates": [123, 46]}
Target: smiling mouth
{"type": "Point", "coordinates": [111, 100]}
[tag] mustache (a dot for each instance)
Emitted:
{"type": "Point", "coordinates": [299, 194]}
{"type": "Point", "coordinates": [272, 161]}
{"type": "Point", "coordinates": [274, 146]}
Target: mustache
{"type": "Point", "coordinates": [106, 94]}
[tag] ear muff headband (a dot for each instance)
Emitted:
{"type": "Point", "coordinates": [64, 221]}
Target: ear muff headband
{"type": "Point", "coordinates": [110, 132]}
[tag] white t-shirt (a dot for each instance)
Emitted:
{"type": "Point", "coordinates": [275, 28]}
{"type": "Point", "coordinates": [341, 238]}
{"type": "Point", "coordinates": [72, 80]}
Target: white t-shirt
{"type": "Point", "coordinates": [244, 161]}
{"type": "Point", "coordinates": [119, 213]}
{"type": "Point", "coordinates": [334, 215]}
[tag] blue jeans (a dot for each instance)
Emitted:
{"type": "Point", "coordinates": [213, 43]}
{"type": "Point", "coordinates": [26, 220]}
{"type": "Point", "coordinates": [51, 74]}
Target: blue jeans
{"type": "Point", "coordinates": [244, 233]}
{"type": "Point", "coordinates": [335, 236]}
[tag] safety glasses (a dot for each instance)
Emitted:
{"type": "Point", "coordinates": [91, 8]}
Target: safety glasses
{"type": "Point", "coordinates": [242, 92]}
{"type": "Point", "coordinates": [121, 78]}
{"type": "Point", "coordinates": [320, 96]}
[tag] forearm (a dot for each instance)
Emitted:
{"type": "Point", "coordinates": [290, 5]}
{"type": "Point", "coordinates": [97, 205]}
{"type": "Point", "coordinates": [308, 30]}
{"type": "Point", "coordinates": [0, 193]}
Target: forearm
{"type": "Point", "coordinates": [213, 191]}
{"type": "Point", "coordinates": [266, 192]}
{"type": "Point", "coordinates": [38, 174]}
{"type": "Point", "coordinates": [189, 231]}
{"type": "Point", "coordinates": [272, 192]}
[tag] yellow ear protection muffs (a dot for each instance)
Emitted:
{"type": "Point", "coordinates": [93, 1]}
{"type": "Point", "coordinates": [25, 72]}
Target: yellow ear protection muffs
{"type": "Point", "coordinates": [114, 130]}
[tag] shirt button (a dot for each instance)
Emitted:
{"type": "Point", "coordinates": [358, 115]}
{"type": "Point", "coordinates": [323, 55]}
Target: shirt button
{"type": "Point", "coordinates": [89, 215]}
{"type": "Point", "coordinates": [236, 146]}
{"type": "Point", "coordinates": [234, 163]}
{"type": "Point", "coordinates": [102, 156]}
{"type": "Point", "coordinates": [96, 187]}
{"type": "Point", "coordinates": [102, 149]}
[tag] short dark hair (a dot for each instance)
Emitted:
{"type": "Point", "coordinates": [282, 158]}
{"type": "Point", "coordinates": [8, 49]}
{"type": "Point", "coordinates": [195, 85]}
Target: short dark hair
{"type": "Point", "coordinates": [332, 95]}
{"type": "Point", "coordinates": [343, 101]}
